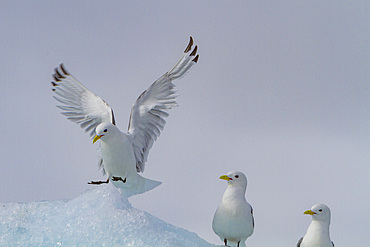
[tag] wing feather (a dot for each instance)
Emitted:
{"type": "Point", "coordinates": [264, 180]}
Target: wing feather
{"type": "Point", "coordinates": [148, 114]}
{"type": "Point", "coordinates": [79, 104]}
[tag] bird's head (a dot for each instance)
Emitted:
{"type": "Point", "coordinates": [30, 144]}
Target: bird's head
{"type": "Point", "coordinates": [104, 131]}
{"type": "Point", "coordinates": [235, 178]}
{"type": "Point", "coordinates": [319, 212]}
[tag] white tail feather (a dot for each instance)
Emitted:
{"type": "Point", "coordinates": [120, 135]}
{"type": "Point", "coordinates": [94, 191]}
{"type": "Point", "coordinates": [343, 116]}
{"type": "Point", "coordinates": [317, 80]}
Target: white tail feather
{"type": "Point", "coordinates": [140, 186]}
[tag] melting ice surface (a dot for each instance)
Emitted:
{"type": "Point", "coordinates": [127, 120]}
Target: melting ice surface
{"type": "Point", "coordinates": [98, 217]}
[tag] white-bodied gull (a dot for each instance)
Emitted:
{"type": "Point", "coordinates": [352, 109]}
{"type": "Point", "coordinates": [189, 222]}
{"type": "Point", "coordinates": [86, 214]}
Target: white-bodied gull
{"type": "Point", "coordinates": [318, 232]}
{"type": "Point", "coordinates": [123, 154]}
{"type": "Point", "coordinates": [233, 221]}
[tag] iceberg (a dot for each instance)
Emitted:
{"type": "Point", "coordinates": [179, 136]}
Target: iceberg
{"type": "Point", "coordinates": [97, 217]}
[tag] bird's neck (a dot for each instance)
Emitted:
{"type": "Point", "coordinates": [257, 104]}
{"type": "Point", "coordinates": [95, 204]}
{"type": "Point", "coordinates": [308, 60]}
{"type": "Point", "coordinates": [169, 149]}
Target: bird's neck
{"type": "Point", "coordinates": [320, 229]}
{"type": "Point", "coordinates": [234, 193]}
{"type": "Point", "coordinates": [116, 140]}
{"type": "Point", "coordinates": [320, 224]}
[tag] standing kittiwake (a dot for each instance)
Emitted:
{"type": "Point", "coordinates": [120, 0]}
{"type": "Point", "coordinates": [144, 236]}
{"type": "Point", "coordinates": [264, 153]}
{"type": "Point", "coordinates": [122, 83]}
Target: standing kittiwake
{"type": "Point", "coordinates": [233, 221]}
{"type": "Point", "coordinates": [318, 232]}
{"type": "Point", "coordinates": [123, 154]}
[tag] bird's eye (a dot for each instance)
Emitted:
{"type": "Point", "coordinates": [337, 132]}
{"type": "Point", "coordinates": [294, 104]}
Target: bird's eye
{"type": "Point", "coordinates": [105, 130]}
{"type": "Point", "coordinates": [320, 210]}
{"type": "Point", "coordinates": [236, 176]}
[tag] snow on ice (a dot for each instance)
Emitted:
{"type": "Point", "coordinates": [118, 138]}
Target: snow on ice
{"type": "Point", "coordinates": [98, 217]}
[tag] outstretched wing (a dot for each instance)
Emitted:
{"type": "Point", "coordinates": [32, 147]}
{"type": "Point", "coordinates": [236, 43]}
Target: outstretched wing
{"type": "Point", "coordinates": [148, 114]}
{"type": "Point", "coordinates": [78, 103]}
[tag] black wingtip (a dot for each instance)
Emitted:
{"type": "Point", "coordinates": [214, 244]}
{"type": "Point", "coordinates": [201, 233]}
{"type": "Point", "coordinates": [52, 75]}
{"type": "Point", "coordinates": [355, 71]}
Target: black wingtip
{"type": "Point", "coordinates": [195, 60]}
{"type": "Point", "coordinates": [194, 51]}
{"type": "Point", "coordinates": [188, 48]}
{"type": "Point", "coordinates": [58, 74]}
{"type": "Point", "coordinates": [54, 84]}
{"type": "Point", "coordinates": [56, 78]}
{"type": "Point", "coordinates": [63, 69]}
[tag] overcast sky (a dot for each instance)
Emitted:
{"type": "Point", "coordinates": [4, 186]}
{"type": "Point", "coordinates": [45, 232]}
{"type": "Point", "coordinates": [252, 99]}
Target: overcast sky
{"type": "Point", "coordinates": [280, 92]}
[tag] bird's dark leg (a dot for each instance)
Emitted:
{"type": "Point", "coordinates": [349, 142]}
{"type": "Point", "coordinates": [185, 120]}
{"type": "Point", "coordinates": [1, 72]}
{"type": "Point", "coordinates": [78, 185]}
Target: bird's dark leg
{"type": "Point", "coordinates": [225, 241]}
{"type": "Point", "coordinates": [119, 179]}
{"type": "Point", "coordinates": [238, 243]}
{"type": "Point", "coordinates": [99, 182]}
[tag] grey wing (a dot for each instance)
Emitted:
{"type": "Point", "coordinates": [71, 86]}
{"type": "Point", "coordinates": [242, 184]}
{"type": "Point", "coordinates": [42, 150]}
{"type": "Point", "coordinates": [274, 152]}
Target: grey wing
{"type": "Point", "coordinates": [299, 242]}
{"type": "Point", "coordinates": [78, 103]}
{"type": "Point", "coordinates": [148, 114]}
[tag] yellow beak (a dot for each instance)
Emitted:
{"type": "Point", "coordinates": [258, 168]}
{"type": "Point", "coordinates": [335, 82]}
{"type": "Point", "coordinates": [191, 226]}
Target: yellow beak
{"type": "Point", "coordinates": [96, 138]}
{"type": "Point", "coordinates": [224, 177]}
{"type": "Point", "coordinates": [310, 212]}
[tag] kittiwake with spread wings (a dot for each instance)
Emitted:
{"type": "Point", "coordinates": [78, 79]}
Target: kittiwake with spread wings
{"type": "Point", "coordinates": [123, 154]}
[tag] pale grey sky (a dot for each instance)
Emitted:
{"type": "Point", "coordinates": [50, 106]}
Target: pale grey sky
{"type": "Point", "coordinates": [280, 92]}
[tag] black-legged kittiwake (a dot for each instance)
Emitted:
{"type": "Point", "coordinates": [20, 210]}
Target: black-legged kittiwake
{"type": "Point", "coordinates": [317, 234]}
{"type": "Point", "coordinates": [233, 221]}
{"type": "Point", "coordinates": [123, 154]}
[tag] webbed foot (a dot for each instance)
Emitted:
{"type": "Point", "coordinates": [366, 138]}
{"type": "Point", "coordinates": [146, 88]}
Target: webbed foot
{"type": "Point", "coordinates": [99, 182]}
{"type": "Point", "coordinates": [119, 179]}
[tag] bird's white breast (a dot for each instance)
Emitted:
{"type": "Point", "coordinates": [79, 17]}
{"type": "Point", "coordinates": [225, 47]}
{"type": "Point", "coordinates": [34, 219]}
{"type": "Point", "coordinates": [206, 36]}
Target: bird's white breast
{"type": "Point", "coordinates": [233, 219]}
{"type": "Point", "coordinates": [317, 236]}
{"type": "Point", "coordinates": [118, 156]}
